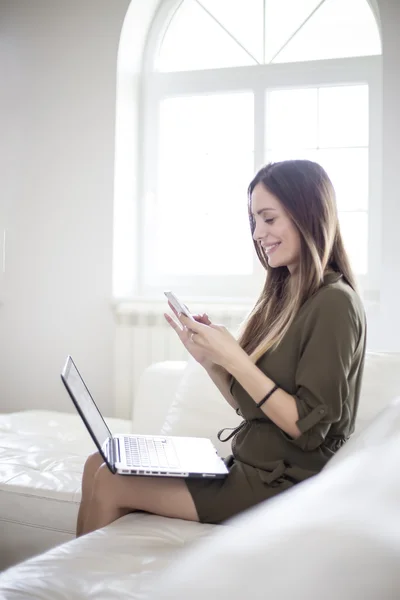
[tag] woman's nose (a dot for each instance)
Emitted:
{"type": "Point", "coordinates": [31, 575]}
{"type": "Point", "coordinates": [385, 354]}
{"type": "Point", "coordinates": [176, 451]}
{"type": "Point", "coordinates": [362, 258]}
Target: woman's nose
{"type": "Point", "coordinates": [258, 234]}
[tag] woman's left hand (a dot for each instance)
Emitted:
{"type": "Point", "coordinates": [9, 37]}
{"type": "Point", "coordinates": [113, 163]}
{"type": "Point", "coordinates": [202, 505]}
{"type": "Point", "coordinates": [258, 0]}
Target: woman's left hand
{"type": "Point", "coordinates": [215, 340]}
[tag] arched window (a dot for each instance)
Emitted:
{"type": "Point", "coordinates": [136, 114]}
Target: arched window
{"type": "Point", "coordinates": [229, 85]}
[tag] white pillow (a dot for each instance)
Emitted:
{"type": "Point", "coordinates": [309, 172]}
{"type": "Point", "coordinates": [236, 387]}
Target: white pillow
{"type": "Point", "coordinates": [333, 536]}
{"type": "Point", "coordinates": [199, 409]}
{"type": "Point", "coordinates": [384, 427]}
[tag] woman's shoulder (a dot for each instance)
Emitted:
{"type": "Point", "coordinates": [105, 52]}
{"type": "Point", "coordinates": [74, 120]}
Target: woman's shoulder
{"type": "Point", "coordinates": [335, 299]}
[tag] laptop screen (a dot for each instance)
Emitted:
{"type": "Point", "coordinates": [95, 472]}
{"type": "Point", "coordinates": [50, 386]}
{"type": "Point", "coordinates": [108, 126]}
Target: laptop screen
{"type": "Point", "coordinates": [85, 402]}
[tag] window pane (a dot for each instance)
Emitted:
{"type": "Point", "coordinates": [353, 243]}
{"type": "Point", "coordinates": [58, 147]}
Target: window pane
{"type": "Point", "coordinates": [194, 40]}
{"type": "Point", "coordinates": [243, 20]}
{"type": "Point", "coordinates": [207, 34]}
{"type": "Point", "coordinates": [292, 118]}
{"type": "Point", "coordinates": [282, 19]}
{"type": "Point", "coordinates": [324, 117]}
{"type": "Point", "coordinates": [205, 165]}
{"type": "Point", "coordinates": [338, 29]}
{"type": "Point", "coordinates": [343, 116]}
{"type": "Point", "coordinates": [354, 227]}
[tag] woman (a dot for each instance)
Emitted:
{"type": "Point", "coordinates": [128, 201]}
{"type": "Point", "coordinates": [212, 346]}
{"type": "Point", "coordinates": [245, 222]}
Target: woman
{"type": "Point", "coordinates": [294, 374]}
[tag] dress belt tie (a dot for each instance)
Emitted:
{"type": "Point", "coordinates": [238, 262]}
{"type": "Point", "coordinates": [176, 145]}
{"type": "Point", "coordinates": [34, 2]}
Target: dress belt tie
{"type": "Point", "coordinates": [233, 430]}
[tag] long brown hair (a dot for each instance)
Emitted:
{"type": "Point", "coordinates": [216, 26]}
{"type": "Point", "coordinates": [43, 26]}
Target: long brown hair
{"type": "Point", "coordinates": [307, 194]}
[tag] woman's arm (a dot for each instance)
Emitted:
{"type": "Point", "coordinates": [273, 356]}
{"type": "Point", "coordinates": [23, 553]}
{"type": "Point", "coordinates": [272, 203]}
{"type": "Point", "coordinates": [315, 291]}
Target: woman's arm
{"type": "Point", "coordinates": [281, 407]}
{"type": "Point", "coordinates": [333, 338]}
{"type": "Point", "coordinates": [221, 378]}
{"type": "Point", "coordinates": [332, 333]}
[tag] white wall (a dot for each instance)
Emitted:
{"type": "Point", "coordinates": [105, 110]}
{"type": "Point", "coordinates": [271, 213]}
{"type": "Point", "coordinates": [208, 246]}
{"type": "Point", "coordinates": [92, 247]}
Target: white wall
{"type": "Point", "coordinates": [390, 300]}
{"type": "Point", "coordinates": [57, 123]}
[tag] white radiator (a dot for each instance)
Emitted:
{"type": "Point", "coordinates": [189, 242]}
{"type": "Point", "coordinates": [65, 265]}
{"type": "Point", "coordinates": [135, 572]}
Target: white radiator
{"type": "Point", "coordinates": [143, 337]}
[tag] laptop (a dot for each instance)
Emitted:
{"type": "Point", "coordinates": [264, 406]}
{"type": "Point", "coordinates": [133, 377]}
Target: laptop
{"type": "Point", "coordinates": [145, 455]}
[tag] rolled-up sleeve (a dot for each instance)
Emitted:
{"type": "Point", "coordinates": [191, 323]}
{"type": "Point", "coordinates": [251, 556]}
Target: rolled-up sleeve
{"type": "Point", "coordinates": [329, 342]}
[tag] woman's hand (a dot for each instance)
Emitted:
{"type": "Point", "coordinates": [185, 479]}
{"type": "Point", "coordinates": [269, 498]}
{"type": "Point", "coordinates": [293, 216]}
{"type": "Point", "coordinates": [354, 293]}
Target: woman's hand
{"type": "Point", "coordinates": [212, 342]}
{"type": "Point", "coordinates": [185, 335]}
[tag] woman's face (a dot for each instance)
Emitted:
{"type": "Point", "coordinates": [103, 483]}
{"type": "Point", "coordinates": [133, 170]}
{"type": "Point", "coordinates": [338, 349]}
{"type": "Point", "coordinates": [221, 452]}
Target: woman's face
{"type": "Point", "coordinates": [274, 230]}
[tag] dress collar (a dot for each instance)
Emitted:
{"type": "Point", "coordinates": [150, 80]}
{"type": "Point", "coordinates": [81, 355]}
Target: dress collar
{"type": "Point", "coordinates": [331, 277]}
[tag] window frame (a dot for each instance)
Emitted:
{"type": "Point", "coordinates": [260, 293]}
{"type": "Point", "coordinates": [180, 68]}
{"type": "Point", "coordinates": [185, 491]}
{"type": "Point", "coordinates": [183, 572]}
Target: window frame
{"type": "Point", "coordinates": [156, 86]}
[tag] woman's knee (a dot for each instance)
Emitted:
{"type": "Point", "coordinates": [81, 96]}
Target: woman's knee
{"type": "Point", "coordinates": [104, 489]}
{"type": "Point", "coordinates": [92, 464]}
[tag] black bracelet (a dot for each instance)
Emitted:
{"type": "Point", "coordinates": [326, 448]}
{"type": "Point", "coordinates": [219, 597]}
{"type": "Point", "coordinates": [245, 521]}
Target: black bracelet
{"type": "Point", "coordinates": [259, 404]}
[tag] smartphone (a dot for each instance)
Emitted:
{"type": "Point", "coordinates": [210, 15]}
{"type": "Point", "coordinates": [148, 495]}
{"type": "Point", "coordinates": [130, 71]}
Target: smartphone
{"type": "Point", "coordinates": [177, 304]}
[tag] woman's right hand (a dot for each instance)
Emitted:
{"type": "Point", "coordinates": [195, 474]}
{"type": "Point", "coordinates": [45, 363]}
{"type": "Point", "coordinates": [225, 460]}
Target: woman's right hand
{"type": "Point", "coordinates": [184, 335]}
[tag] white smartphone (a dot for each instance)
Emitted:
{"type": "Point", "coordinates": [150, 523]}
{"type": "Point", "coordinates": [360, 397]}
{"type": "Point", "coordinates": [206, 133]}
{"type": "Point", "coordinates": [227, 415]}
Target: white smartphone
{"type": "Point", "coordinates": [177, 304]}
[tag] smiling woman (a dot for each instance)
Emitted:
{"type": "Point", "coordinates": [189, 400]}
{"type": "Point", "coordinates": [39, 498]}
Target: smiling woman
{"type": "Point", "coordinates": [294, 374]}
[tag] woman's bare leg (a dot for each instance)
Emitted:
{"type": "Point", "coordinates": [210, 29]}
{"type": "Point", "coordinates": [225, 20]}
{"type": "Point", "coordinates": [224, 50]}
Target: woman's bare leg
{"type": "Point", "coordinates": [93, 462]}
{"type": "Point", "coordinates": [116, 495]}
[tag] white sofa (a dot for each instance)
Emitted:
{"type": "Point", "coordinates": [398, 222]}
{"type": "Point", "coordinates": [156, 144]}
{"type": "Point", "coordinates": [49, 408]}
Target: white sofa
{"type": "Point", "coordinates": [337, 535]}
{"type": "Point", "coordinates": [42, 454]}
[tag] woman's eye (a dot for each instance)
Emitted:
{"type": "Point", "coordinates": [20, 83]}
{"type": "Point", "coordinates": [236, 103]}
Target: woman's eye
{"type": "Point", "coordinates": [269, 221]}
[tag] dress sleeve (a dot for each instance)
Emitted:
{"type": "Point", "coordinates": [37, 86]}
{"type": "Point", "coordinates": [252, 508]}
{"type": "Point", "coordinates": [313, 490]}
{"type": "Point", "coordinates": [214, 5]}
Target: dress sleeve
{"type": "Point", "coordinates": [329, 340]}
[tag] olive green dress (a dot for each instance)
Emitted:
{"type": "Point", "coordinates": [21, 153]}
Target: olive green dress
{"type": "Point", "coordinates": [320, 362]}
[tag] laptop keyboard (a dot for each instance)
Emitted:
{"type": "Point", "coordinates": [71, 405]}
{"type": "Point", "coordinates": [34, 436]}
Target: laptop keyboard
{"type": "Point", "coordinates": [150, 452]}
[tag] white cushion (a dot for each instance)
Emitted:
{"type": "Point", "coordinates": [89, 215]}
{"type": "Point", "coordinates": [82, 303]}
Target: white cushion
{"type": "Point", "coordinates": [381, 383]}
{"type": "Point", "coordinates": [385, 427]}
{"type": "Point", "coordinates": [42, 454]}
{"type": "Point", "coordinates": [154, 395]}
{"type": "Point", "coordinates": [199, 409]}
{"type": "Point", "coordinates": [116, 562]}
{"type": "Point", "coordinates": [335, 536]}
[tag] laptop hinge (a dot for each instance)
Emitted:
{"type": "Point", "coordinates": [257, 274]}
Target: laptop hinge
{"type": "Point", "coordinates": [116, 450]}
{"type": "Point", "coordinates": [109, 451]}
